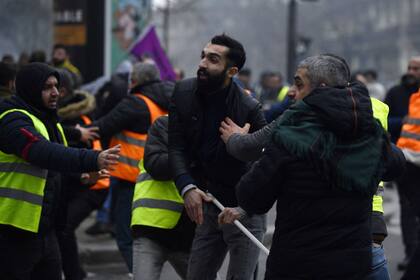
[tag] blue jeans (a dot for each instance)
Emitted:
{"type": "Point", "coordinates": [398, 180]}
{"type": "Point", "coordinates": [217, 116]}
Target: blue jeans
{"type": "Point", "coordinates": [379, 265]}
{"type": "Point", "coordinates": [122, 198]}
{"type": "Point", "coordinates": [212, 242]}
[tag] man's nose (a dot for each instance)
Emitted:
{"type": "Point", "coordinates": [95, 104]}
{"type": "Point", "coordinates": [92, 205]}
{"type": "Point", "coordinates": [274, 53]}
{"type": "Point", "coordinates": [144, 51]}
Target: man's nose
{"type": "Point", "coordinates": [55, 91]}
{"type": "Point", "coordinates": [291, 93]}
{"type": "Point", "coordinates": [203, 63]}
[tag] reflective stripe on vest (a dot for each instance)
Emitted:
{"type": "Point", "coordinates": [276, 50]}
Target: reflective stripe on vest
{"type": "Point", "coordinates": [24, 168]}
{"type": "Point", "coordinates": [155, 203]}
{"type": "Point", "coordinates": [410, 131]}
{"type": "Point", "coordinates": [22, 184]}
{"type": "Point", "coordinates": [412, 121]}
{"type": "Point", "coordinates": [410, 135]}
{"type": "Point", "coordinates": [132, 145]}
{"type": "Point", "coordinates": [130, 140]}
{"type": "Point", "coordinates": [103, 183]}
{"type": "Point", "coordinates": [380, 112]}
{"type": "Point", "coordinates": [282, 93]}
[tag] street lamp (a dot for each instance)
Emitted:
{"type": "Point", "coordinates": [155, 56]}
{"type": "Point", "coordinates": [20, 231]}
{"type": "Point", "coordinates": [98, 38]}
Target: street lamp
{"type": "Point", "coordinates": [292, 38]}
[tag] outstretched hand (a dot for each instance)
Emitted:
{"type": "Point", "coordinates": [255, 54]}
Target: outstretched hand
{"type": "Point", "coordinates": [92, 177]}
{"type": "Point", "coordinates": [109, 158]}
{"type": "Point", "coordinates": [229, 127]}
{"type": "Point", "coordinates": [88, 134]}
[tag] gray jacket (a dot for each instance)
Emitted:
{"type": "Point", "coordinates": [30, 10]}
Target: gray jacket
{"type": "Point", "coordinates": [249, 147]}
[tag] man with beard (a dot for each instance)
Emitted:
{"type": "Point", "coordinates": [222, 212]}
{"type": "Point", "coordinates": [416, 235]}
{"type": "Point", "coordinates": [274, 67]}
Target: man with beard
{"type": "Point", "coordinates": [32, 156]}
{"type": "Point", "coordinates": [397, 99]}
{"type": "Point", "coordinates": [61, 59]}
{"type": "Point", "coordinates": [200, 162]}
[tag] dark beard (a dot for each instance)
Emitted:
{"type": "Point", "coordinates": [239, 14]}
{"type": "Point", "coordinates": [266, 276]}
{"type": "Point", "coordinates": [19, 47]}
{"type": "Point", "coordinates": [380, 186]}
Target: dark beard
{"type": "Point", "coordinates": [409, 81]}
{"type": "Point", "coordinates": [57, 62]}
{"type": "Point", "coordinates": [213, 82]}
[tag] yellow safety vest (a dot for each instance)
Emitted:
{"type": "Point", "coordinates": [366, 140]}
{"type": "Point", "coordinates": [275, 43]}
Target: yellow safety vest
{"type": "Point", "coordinates": [22, 184]}
{"type": "Point", "coordinates": [380, 112]}
{"type": "Point", "coordinates": [155, 203]}
{"type": "Point", "coordinates": [282, 93]}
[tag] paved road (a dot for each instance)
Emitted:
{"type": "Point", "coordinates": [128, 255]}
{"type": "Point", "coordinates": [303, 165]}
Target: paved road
{"type": "Point", "coordinates": [393, 247]}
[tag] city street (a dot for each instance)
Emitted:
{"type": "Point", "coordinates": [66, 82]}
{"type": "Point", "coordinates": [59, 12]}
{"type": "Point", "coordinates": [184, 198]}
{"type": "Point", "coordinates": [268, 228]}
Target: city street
{"type": "Point", "coordinates": [118, 116]}
{"type": "Point", "coordinates": [393, 247]}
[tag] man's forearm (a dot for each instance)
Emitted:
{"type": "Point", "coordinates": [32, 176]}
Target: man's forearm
{"type": "Point", "coordinates": [248, 147]}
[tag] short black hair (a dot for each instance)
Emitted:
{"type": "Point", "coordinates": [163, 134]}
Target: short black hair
{"type": "Point", "coordinates": [60, 46]}
{"type": "Point", "coordinates": [372, 73]}
{"type": "Point", "coordinates": [7, 73]}
{"type": "Point", "coordinates": [236, 54]}
{"type": "Point", "coordinates": [38, 56]}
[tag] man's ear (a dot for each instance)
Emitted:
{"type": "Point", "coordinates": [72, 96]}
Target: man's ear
{"type": "Point", "coordinates": [232, 71]}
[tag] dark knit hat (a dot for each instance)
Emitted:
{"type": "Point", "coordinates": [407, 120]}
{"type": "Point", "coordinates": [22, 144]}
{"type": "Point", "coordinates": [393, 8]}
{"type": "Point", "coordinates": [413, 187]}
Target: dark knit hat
{"type": "Point", "coordinates": [30, 81]}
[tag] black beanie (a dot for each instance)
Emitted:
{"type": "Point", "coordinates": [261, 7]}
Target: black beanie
{"type": "Point", "coordinates": [30, 81]}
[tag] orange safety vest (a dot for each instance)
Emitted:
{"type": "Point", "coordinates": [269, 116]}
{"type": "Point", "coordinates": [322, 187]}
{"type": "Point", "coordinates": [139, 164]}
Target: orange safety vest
{"type": "Point", "coordinates": [132, 145]}
{"type": "Point", "coordinates": [103, 183]}
{"type": "Point", "coordinates": [410, 132]}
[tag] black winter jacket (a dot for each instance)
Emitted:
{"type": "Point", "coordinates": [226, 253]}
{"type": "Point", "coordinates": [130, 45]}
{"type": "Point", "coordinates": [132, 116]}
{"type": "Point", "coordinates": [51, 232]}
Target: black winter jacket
{"type": "Point", "coordinates": [156, 155]}
{"type": "Point", "coordinates": [156, 164]}
{"type": "Point", "coordinates": [186, 119]}
{"type": "Point", "coordinates": [249, 147]}
{"type": "Point", "coordinates": [132, 112]}
{"type": "Point", "coordinates": [321, 232]}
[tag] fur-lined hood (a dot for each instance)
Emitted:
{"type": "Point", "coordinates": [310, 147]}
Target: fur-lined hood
{"type": "Point", "coordinates": [75, 105]}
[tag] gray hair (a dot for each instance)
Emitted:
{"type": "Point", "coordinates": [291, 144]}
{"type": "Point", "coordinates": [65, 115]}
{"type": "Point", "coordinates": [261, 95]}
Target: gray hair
{"type": "Point", "coordinates": [145, 72]}
{"type": "Point", "coordinates": [325, 69]}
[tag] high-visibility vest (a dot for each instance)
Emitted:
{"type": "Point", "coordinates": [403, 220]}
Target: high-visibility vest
{"type": "Point", "coordinates": [380, 112]}
{"type": "Point", "coordinates": [103, 183]}
{"type": "Point", "coordinates": [410, 131]}
{"type": "Point", "coordinates": [22, 184]}
{"type": "Point", "coordinates": [282, 93]}
{"type": "Point", "coordinates": [132, 145]}
{"type": "Point", "coordinates": [155, 203]}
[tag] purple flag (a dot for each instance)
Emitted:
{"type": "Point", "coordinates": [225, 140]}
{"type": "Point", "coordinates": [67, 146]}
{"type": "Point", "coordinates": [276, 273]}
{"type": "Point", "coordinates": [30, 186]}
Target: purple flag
{"type": "Point", "coordinates": [149, 44]}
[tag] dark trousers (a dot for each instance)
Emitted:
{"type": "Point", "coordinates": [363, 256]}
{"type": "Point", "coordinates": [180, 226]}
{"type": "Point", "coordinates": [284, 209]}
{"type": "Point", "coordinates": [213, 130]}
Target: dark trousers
{"type": "Point", "coordinates": [409, 223]}
{"type": "Point", "coordinates": [79, 208]}
{"type": "Point", "coordinates": [122, 197]}
{"type": "Point", "coordinates": [212, 242]}
{"type": "Point", "coordinates": [409, 186]}
{"type": "Point", "coordinates": [25, 256]}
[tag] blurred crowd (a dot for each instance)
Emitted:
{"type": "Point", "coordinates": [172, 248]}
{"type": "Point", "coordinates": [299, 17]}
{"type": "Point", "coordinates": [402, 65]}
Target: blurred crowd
{"type": "Point", "coordinates": [129, 110]}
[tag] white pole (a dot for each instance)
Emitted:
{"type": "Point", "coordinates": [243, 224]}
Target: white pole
{"type": "Point", "coordinates": [241, 227]}
{"type": "Point", "coordinates": [108, 38]}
